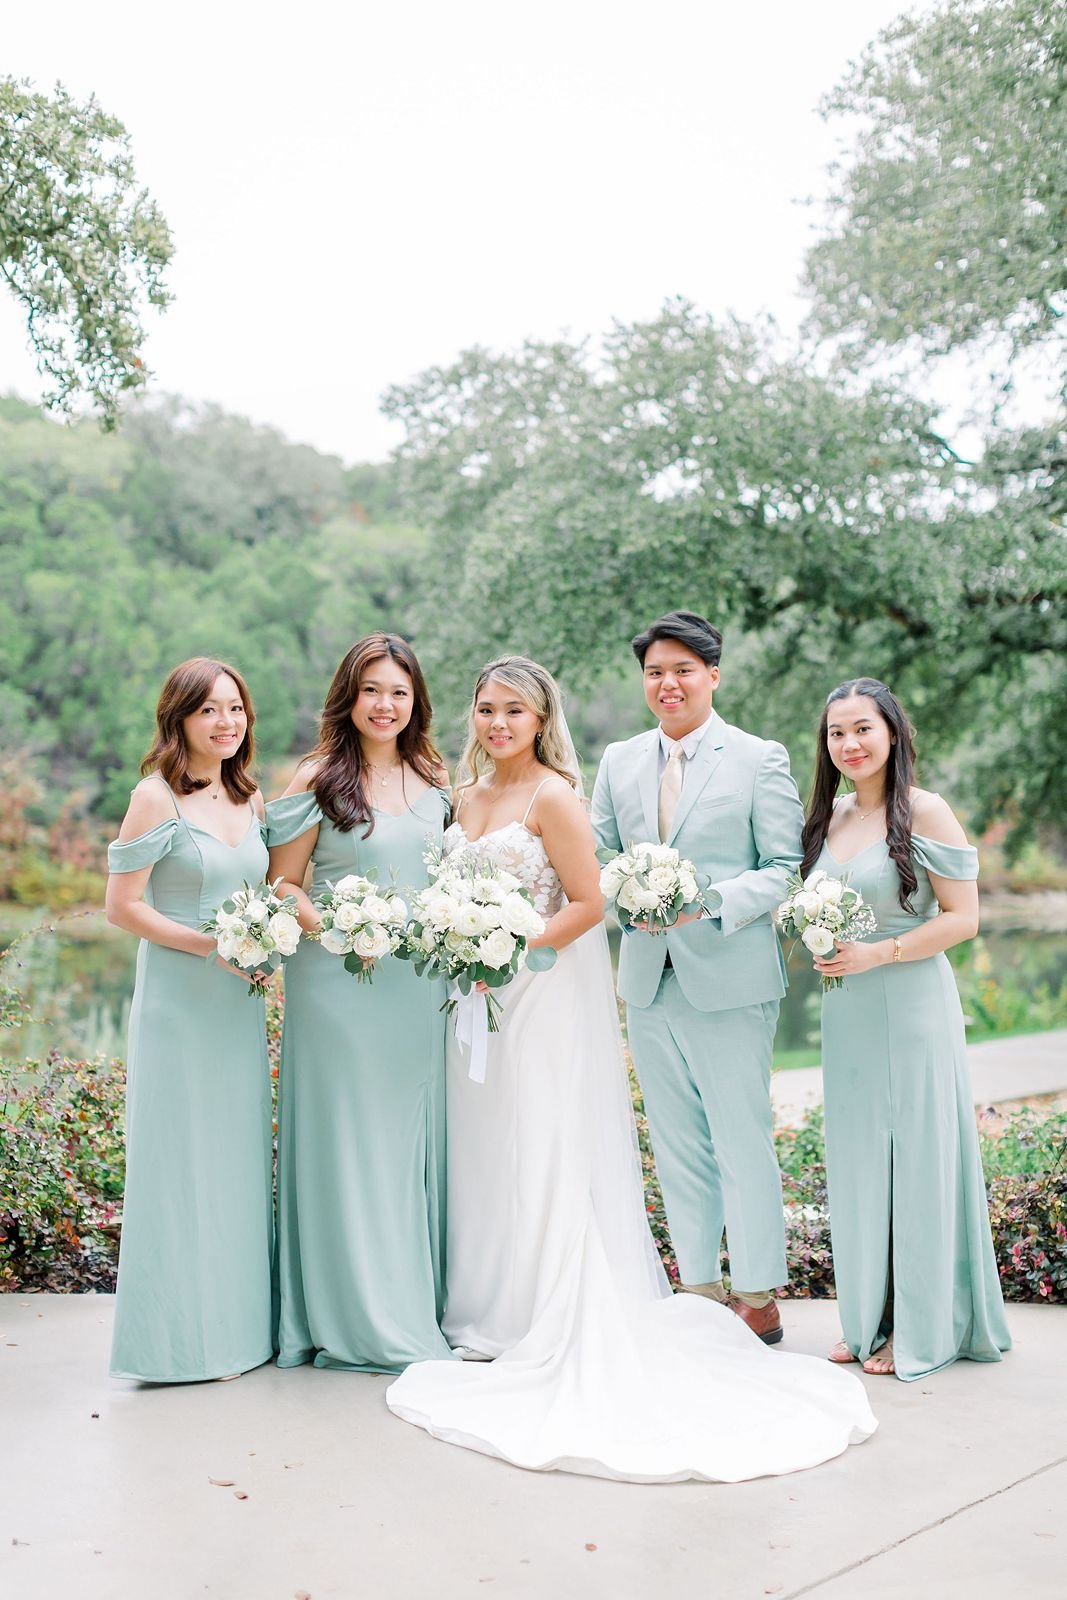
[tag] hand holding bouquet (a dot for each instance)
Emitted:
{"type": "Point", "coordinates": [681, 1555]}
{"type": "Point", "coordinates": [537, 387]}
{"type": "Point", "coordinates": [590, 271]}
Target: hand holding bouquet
{"type": "Point", "coordinates": [650, 884]}
{"type": "Point", "coordinates": [255, 930]}
{"type": "Point", "coordinates": [823, 912]}
{"type": "Point", "coordinates": [473, 924]}
{"type": "Point", "coordinates": [361, 922]}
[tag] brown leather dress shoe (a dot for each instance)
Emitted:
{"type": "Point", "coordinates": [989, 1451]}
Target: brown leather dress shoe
{"type": "Point", "coordinates": [765, 1322]}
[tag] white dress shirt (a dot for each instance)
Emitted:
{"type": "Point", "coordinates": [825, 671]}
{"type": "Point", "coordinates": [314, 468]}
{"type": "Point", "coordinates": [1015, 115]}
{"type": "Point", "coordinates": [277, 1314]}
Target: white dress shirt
{"type": "Point", "coordinates": [690, 743]}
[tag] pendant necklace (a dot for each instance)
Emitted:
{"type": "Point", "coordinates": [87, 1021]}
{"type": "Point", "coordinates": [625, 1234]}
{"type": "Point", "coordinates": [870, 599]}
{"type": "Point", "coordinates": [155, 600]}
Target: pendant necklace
{"type": "Point", "coordinates": [388, 770]}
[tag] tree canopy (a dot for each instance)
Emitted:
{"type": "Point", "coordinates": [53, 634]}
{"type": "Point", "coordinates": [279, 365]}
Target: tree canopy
{"type": "Point", "coordinates": [948, 215]}
{"type": "Point", "coordinates": [82, 248]}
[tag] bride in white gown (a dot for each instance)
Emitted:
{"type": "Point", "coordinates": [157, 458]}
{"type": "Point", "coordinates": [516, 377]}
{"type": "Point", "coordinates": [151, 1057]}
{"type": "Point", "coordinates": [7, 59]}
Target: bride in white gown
{"type": "Point", "coordinates": [579, 1358]}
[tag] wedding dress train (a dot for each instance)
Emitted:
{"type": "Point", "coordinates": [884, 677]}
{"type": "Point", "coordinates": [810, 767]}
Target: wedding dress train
{"type": "Point", "coordinates": [551, 1269]}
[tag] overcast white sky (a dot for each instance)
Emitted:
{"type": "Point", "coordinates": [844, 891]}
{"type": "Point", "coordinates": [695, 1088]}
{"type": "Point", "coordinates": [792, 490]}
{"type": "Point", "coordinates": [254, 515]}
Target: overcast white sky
{"type": "Point", "coordinates": [359, 191]}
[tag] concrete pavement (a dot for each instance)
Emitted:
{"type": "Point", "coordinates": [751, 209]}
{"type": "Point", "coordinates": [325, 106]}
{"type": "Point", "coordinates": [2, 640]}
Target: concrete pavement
{"type": "Point", "coordinates": [106, 1490]}
{"type": "Point", "coordinates": [1001, 1069]}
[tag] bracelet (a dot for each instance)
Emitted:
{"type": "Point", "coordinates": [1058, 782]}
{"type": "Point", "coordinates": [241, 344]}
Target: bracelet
{"type": "Point", "coordinates": [896, 950]}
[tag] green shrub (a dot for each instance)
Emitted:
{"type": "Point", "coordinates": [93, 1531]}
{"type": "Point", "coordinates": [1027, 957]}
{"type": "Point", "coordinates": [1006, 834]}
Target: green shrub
{"type": "Point", "coordinates": [1029, 1221]}
{"type": "Point", "coordinates": [61, 1173]}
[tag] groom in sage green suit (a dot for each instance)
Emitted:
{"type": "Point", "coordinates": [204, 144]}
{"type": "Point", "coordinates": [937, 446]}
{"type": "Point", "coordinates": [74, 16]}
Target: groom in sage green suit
{"type": "Point", "coordinates": [702, 1000]}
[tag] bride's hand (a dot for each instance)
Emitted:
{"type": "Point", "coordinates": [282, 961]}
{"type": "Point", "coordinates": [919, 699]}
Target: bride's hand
{"type": "Point", "coordinates": [481, 987]}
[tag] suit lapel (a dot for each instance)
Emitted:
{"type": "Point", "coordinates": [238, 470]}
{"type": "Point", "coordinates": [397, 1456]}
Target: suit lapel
{"type": "Point", "coordinates": [710, 752]}
{"type": "Point", "coordinates": [648, 786]}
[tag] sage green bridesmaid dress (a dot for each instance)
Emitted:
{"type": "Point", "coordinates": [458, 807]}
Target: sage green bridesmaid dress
{"type": "Point", "coordinates": [903, 1166]}
{"type": "Point", "coordinates": [194, 1288]}
{"type": "Point", "coordinates": [361, 1122]}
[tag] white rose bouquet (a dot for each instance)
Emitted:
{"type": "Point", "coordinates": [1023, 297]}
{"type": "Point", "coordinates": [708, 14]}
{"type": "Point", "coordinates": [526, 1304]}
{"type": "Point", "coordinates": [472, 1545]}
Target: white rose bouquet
{"type": "Point", "coordinates": [472, 925]}
{"type": "Point", "coordinates": [361, 922]}
{"type": "Point", "coordinates": [823, 912]}
{"type": "Point", "coordinates": [650, 883]}
{"type": "Point", "coordinates": [256, 930]}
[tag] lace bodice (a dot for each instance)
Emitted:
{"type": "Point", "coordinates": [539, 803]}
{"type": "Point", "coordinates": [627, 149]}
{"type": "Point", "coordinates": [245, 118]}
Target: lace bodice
{"type": "Point", "coordinates": [515, 849]}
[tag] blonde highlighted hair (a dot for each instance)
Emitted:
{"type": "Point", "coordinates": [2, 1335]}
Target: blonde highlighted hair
{"type": "Point", "coordinates": [535, 686]}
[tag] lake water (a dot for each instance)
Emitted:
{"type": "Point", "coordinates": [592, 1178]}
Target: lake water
{"type": "Point", "coordinates": [78, 981]}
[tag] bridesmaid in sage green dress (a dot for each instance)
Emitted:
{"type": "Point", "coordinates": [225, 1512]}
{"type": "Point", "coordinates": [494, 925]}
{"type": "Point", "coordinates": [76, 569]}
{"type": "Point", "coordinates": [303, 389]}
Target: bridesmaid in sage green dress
{"type": "Point", "coordinates": [917, 1281]}
{"type": "Point", "coordinates": [361, 1088]}
{"type": "Point", "coordinates": [194, 1286]}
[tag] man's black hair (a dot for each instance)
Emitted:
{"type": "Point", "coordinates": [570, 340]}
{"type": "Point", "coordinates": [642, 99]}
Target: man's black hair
{"type": "Point", "coordinates": [696, 633]}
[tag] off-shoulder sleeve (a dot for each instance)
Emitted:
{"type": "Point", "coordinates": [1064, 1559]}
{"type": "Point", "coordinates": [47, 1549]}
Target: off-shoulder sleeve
{"type": "Point", "coordinates": [945, 860]}
{"type": "Point", "coordinates": [131, 855]}
{"type": "Point", "coordinates": [291, 816]}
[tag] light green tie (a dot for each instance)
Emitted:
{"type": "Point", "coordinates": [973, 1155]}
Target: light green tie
{"type": "Point", "coordinates": [670, 790]}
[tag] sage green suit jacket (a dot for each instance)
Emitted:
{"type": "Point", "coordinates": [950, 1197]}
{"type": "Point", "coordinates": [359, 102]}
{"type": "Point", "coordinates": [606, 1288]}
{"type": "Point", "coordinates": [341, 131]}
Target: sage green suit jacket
{"type": "Point", "coordinates": [738, 820]}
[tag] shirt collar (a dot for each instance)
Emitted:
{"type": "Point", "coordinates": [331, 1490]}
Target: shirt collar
{"type": "Point", "coordinates": [690, 742]}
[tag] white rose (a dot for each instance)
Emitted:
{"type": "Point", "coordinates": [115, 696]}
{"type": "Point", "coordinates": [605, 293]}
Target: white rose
{"type": "Point", "coordinates": [508, 881]}
{"type": "Point", "coordinates": [353, 884]}
{"type": "Point", "coordinates": [375, 909]}
{"type": "Point", "coordinates": [820, 941]}
{"type": "Point", "coordinates": [808, 903]}
{"type": "Point", "coordinates": [831, 890]}
{"type": "Point", "coordinates": [662, 855]}
{"type": "Point", "coordinates": [664, 880]}
{"type": "Point", "coordinates": [372, 942]}
{"type": "Point", "coordinates": [688, 885]}
{"type": "Point", "coordinates": [515, 913]}
{"type": "Point", "coordinates": [489, 889]}
{"type": "Point", "coordinates": [249, 952]}
{"type": "Point", "coordinates": [346, 916]}
{"type": "Point", "coordinates": [611, 881]}
{"type": "Point", "coordinates": [333, 940]}
{"type": "Point", "coordinates": [470, 921]}
{"type": "Point", "coordinates": [398, 912]}
{"type": "Point", "coordinates": [285, 931]}
{"type": "Point", "coordinates": [257, 911]}
{"type": "Point", "coordinates": [227, 943]}
{"type": "Point", "coordinates": [496, 949]}
{"type": "Point", "coordinates": [628, 896]}
{"type": "Point", "coordinates": [227, 919]}
{"type": "Point", "coordinates": [813, 880]}
{"type": "Point", "coordinates": [427, 940]}
{"type": "Point", "coordinates": [439, 910]}
{"type": "Point", "coordinates": [647, 899]}
{"type": "Point", "coordinates": [456, 943]}
{"type": "Point", "coordinates": [491, 917]}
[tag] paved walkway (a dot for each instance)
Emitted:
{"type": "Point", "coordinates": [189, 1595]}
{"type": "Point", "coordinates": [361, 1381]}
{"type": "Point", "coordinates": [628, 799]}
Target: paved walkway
{"type": "Point", "coordinates": [1001, 1069]}
{"type": "Point", "coordinates": [107, 1491]}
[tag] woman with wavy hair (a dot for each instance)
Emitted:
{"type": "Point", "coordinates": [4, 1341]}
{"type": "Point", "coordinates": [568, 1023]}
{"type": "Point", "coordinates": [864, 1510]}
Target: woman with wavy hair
{"type": "Point", "coordinates": [917, 1282]}
{"type": "Point", "coordinates": [194, 1286]}
{"type": "Point", "coordinates": [361, 1092]}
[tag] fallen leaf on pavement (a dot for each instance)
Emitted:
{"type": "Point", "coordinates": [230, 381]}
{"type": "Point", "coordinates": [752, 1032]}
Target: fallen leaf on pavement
{"type": "Point", "coordinates": [223, 1483]}
{"type": "Point", "coordinates": [239, 1494]}
{"type": "Point", "coordinates": [590, 1547]}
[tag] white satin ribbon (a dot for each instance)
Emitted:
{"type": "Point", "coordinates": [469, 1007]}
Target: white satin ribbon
{"type": "Point", "coordinates": [472, 1031]}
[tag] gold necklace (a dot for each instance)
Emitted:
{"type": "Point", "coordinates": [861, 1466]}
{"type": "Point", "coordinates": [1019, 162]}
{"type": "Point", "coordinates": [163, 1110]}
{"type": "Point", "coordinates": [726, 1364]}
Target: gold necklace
{"type": "Point", "coordinates": [387, 770]}
{"type": "Point", "coordinates": [863, 815]}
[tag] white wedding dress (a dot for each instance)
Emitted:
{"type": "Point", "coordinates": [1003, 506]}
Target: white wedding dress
{"type": "Point", "coordinates": [551, 1268]}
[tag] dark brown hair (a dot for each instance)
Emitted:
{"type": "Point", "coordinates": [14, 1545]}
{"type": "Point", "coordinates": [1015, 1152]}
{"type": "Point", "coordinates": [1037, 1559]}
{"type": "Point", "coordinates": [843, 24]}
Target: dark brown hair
{"type": "Point", "coordinates": [339, 782]}
{"type": "Point", "coordinates": [186, 689]}
{"type": "Point", "coordinates": [696, 633]}
{"type": "Point", "coordinates": [899, 777]}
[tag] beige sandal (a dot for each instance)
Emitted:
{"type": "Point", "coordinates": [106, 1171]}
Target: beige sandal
{"type": "Point", "coordinates": [841, 1354]}
{"type": "Point", "coordinates": [880, 1363]}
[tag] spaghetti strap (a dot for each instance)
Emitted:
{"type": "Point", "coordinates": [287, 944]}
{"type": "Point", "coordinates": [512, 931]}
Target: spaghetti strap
{"type": "Point", "coordinates": [173, 797]}
{"type": "Point", "coordinates": [536, 792]}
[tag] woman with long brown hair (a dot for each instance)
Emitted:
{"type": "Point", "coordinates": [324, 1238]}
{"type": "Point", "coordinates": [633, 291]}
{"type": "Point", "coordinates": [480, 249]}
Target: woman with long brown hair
{"type": "Point", "coordinates": [361, 1092]}
{"type": "Point", "coordinates": [194, 1287]}
{"type": "Point", "coordinates": [917, 1282]}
